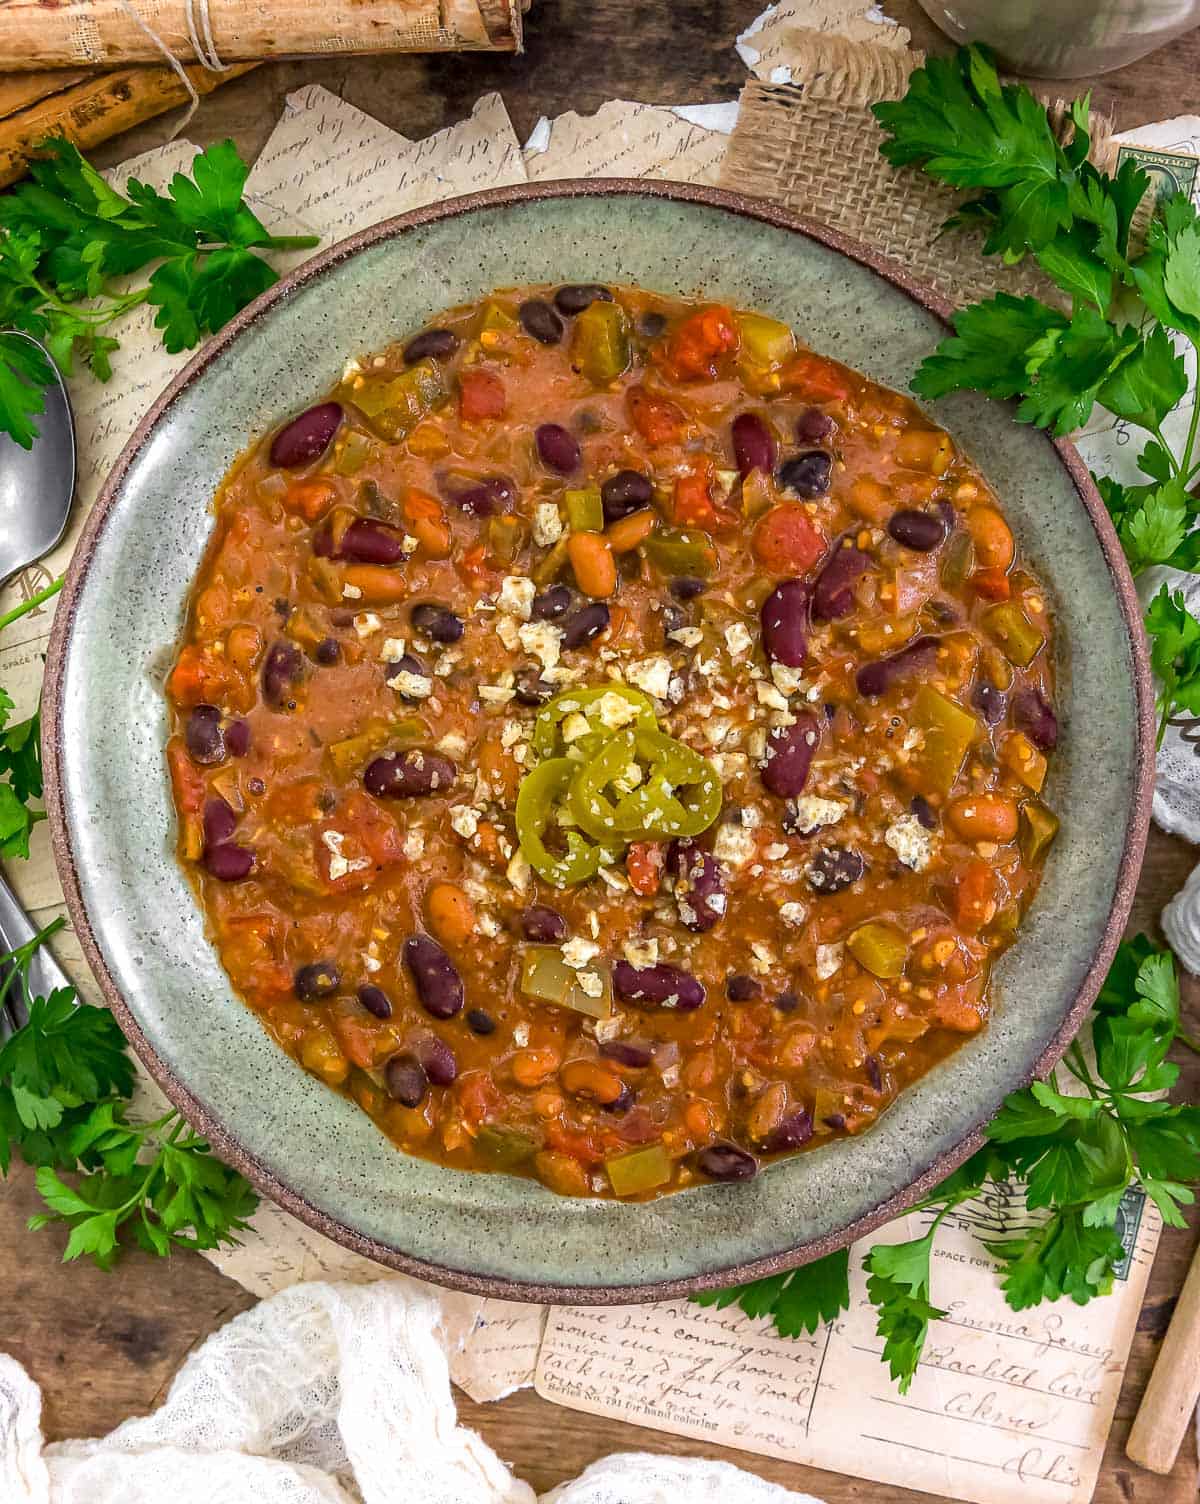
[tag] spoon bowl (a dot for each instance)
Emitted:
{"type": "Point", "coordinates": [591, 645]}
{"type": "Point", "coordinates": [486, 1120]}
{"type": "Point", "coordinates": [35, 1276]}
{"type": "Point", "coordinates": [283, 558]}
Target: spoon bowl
{"type": "Point", "coordinates": [37, 484]}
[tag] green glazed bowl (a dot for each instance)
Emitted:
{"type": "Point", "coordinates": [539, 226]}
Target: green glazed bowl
{"type": "Point", "coordinates": [113, 824]}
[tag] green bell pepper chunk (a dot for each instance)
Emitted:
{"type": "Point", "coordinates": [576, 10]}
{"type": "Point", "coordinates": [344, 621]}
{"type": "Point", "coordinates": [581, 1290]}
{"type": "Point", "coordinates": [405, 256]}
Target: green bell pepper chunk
{"type": "Point", "coordinates": [879, 948]}
{"type": "Point", "coordinates": [539, 799]}
{"type": "Point", "coordinates": [600, 344]}
{"type": "Point", "coordinates": [547, 978]}
{"type": "Point", "coordinates": [396, 404]}
{"type": "Point", "coordinates": [675, 791]}
{"type": "Point", "coordinates": [949, 731]}
{"type": "Point", "coordinates": [585, 510]}
{"type": "Point", "coordinates": [548, 740]}
{"type": "Point", "coordinates": [639, 1169]}
{"type": "Point", "coordinates": [1019, 640]}
{"type": "Point", "coordinates": [505, 1148]}
{"type": "Point", "coordinates": [1039, 826]}
{"type": "Point", "coordinates": [765, 341]}
{"type": "Point", "coordinates": [681, 550]}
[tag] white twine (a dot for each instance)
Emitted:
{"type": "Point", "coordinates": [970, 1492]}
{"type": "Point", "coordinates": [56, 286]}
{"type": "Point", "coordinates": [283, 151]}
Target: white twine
{"type": "Point", "coordinates": [200, 35]}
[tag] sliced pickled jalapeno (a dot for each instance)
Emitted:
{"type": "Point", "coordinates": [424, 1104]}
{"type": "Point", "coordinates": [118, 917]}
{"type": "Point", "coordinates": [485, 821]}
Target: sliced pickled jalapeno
{"type": "Point", "coordinates": [539, 801]}
{"type": "Point", "coordinates": [551, 731]}
{"type": "Point", "coordinates": [663, 788]}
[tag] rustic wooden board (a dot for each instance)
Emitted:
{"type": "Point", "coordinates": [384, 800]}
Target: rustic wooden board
{"type": "Point", "coordinates": [104, 1347]}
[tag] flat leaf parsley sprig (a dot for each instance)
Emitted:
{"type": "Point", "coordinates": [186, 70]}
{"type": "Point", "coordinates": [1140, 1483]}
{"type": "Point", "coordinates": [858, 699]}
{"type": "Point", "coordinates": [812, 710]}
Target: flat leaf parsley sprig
{"type": "Point", "coordinates": [69, 243]}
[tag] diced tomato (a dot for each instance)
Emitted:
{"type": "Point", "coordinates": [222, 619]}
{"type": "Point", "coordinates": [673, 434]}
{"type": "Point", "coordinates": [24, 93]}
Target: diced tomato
{"type": "Point", "coordinates": [694, 348]}
{"type": "Point", "coordinates": [364, 820]}
{"type": "Point", "coordinates": [788, 541]}
{"type": "Point", "coordinates": [360, 1039]}
{"type": "Point", "coordinates": [816, 378]}
{"type": "Point", "coordinates": [958, 1009]}
{"type": "Point", "coordinates": [588, 1145]}
{"type": "Point", "coordinates": [693, 505]}
{"type": "Point", "coordinates": [479, 1098]}
{"type": "Point", "coordinates": [993, 584]}
{"type": "Point", "coordinates": [201, 677]}
{"type": "Point", "coordinates": [480, 395]}
{"type": "Point", "coordinates": [644, 864]}
{"type": "Point", "coordinates": [310, 497]}
{"type": "Point", "coordinates": [975, 896]}
{"type": "Point", "coordinates": [186, 778]}
{"type": "Point", "coordinates": [473, 564]}
{"type": "Point", "coordinates": [657, 419]}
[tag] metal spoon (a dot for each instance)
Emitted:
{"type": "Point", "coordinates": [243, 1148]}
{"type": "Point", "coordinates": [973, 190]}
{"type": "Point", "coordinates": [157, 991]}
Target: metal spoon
{"type": "Point", "coordinates": [37, 485]}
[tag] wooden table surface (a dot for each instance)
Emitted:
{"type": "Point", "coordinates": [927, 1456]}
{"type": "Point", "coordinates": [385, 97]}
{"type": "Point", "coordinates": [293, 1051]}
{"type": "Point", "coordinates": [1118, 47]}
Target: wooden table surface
{"type": "Point", "coordinates": [104, 1347]}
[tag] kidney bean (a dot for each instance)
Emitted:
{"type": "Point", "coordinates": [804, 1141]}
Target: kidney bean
{"type": "Point", "coordinates": [437, 1061]}
{"type": "Point", "coordinates": [307, 436]}
{"type": "Point", "coordinates": [316, 980]}
{"type": "Point", "coordinates": [228, 862]}
{"type": "Point", "coordinates": [924, 811]}
{"type": "Point", "coordinates": [786, 1002]}
{"type": "Point", "coordinates": [625, 492]}
{"type": "Point", "coordinates": [439, 986]}
{"type": "Point", "coordinates": [625, 1052]}
{"type": "Point", "coordinates": [529, 688]}
{"type": "Point", "coordinates": [699, 885]}
{"type": "Point", "coordinates": [544, 925]}
{"type": "Point", "coordinates": [686, 587]}
{"type": "Point", "coordinates": [789, 755]}
{"type": "Point", "coordinates": [785, 623]}
{"type": "Point", "coordinates": [754, 446]}
{"type": "Point", "coordinates": [557, 449]}
{"type": "Point", "coordinates": [406, 1081]}
{"type": "Point", "coordinates": [203, 735]}
{"type": "Point", "coordinates": [408, 775]}
{"type": "Point", "coordinates": [281, 670]}
{"type": "Point", "coordinates": [989, 701]}
{"type": "Point", "coordinates": [920, 531]}
{"type": "Point", "coordinates": [552, 603]}
{"type": "Point", "coordinates": [807, 475]}
{"type": "Point", "coordinates": [740, 988]}
{"type": "Point", "coordinates": [480, 1022]}
{"type": "Point", "coordinates": [540, 320]}
{"type": "Point", "coordinates": [577, 296]}
{"type": "Point", "coordinates": [430, 344]}
{"type": "Point", "coordinates": [366, 541]}
{"type": "Point", "coordinates": [219, 822]}
{"type": "Point", "coordinates": [237, 738]}
{"type": "Point", "coordinates": [876, 678]}
{"type": "Point", "coordinates": [813, 425]}
{"type": "Point", "coordinates": [794, 1130]}
{"type": "Point", "coordinates": [490, 496]}
{"type": "Point", "coordinates": [833, 592]}
{"type": "Point", "coordinates": [834, 868]}
{"type": "Point", "coordinates": [375, 1000]}
{"type": "Point", "coordinates": [586, 624]}
{"type": "Point", "coordinates": [726, 1162]}
{"type": "Point", "coordinates": [660, 986]}
{"type": "Point", "coordinates": [1034, 717]}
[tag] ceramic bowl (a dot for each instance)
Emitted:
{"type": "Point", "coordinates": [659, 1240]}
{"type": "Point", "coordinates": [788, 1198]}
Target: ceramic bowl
{"type": "Point", "coordinates": [114, 830]}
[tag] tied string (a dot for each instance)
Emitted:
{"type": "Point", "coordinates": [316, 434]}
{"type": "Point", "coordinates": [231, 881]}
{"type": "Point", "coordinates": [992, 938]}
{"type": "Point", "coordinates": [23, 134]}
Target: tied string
{"type": "Point", "coordinates": [200, 34]}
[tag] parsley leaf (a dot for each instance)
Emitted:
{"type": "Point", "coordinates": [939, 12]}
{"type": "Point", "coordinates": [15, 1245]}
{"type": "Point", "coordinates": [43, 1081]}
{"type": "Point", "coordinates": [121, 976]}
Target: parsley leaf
{"type": "Point", "coordinates": [898, 1287]}
{"type": "Point", "coordinates": [1174, 655]}
{"type": "Point", "coordinates": [990, 348]}
{"type": "Point", "coordinates": [798, 1301]}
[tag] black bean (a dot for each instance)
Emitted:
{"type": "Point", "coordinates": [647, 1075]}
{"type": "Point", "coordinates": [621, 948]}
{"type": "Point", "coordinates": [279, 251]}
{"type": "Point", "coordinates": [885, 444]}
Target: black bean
{"type": "Point", "coordinates": [686, 587]}
{"type": "Point", "coordinates": [366, 541]}
{"type": "Point", "coordinates": [586, 624]}
{"type": "Point", "coordinates": [552, 603]}
{"type": "Point", "coordinates": [874, 1073]}
{"type": "Point", "coordinates": [256, 786]}
{"type": "Point", "coordinates": [990, 702]}
{"type": "Point", "coordinates": [789, 755]}
{"type": "Point", "coordinates": [652, 324]}
{"type": "Point", "coordinates": [430, 344]}
{"type": "Point", "coordinates": [625, 492]}
{"type": "Point", "coordinates": [540, 320]}
{"type": "Point", "coordinates": [439, 986]}
{"type": "Point", "coordinates": [660, 986]}
{"type": "Point", "coordinates": [622, 1102]}
{"type": "Point", "coordinates": [557, 449]}
{"type": "Point", "coordinates": [228, 862]}
{"type": "Point", "coordinates": [375, 1000]}
{"type": "Point", "coordinates": [480, 1022]}
{"type": "Point", "coordinates": [835, 1120]}
{"type": "Point", "coordinates": [316, 980]}
{"type": "Point", "coordinates": [740, 988]}
{"type": "Point", "coordinates": [834, 868]}
{"type": "Point", "coordinates": [920, 531]}
{"type": "Point", "coordinates": [237, 738]}
{"type": "Point", "coordinates": [794, 1130]}
{"type": "Point", "coordinates": [577, 296]}
{"type": "Point", "coordinates": [281, 671]}
{"type": "Point", "coordinates": [807, 475]}
{"type": "Point", "coordinates": [410, 774]}
{"type": "Point", "coordinates": [671, 618]}
{"type": "Point", "coordinates": [786, 1002]}
{"type": "Point", "coordinates": [529, 688]}
{"type": "Point", "coordinates": [876, 678]}
{"type": "Point", "coordinates": [924, 811]}
{"type": "Point", "coordinates": [785, 623]}
{"type": "Point", "coordinates": [437, 1061]}
{"type": "Point", "coordinates": [486, 498]}
{"type": "Point", "coordinates": [438, 623]}
{"type": "Point", "coordinates": [813, 425]}
{"type": "Point", "coordinates": [625, 1052]}
{"type": "Point", "coordinates": [203, 735]}
{"type": "Point", "coordinates": [406, 1081]}
{"type": "Point", "coordinates": [307, 436]}
{"type": "Point", "coordinates": [219, 822]}
{"type": "Point", "coordinates": [726, 1162]}
{"type": "Point", "coordinates": [544, 925]}
{"type": "Point", "coordinates": [327, 651]}
{"type": "Point", "coordinates": [699, 885]}
{"type": "Point", "coordinates": [754, 445]}
{"type": "Point", "coordinates": [1033, 716]}
{"type": "Point", "coordinates": [833, 592]}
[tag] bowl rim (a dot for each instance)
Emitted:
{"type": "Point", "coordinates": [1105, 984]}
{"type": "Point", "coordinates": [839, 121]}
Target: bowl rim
{"type": "Point", "coordinates": [226, 1145]}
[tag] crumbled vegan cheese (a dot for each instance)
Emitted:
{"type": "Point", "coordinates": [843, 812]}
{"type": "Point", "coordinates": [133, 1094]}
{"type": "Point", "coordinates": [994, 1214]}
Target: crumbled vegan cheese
{"type": "Point", "coordinates": [496, 694]}
{"type": "Point", "coordinates": [547, 524]}
{"type": "Point", "coordinates": [340, 865]}
{"type": "Point", "coordinates": [488, 925]}
{"type": "Point", "coordinates": [508, 631]}
{"type": "Point", "coordinates": [734, 844]}
{"type": "Point", "coordinates": [372, 963]}
{"type": "Point", "coordinates": [770, 696]}
{"type": "Point", "coordinates": [521, 1035]}
{"type": "Point", "coordinates": [911, 842]}
{"type": "Point", "coordinates": [829, 960]}
{"type": "Point", "coordinates": [688, 637]}
{"type": "Point", "coordinates": [464, 821]}
{"type": "Point", "coordinates": [519, 871]}
{"type": "Point", "coordinates": [366, 623]}
{"type": "Point", "coordinates": [591, 983]}
{"type": "Point", "coordinates": [351, 593]}
{"type": "Point", "coordinates": [641, 953]}
{"type": "Point", "coordinates": [787, 680]}
{"type": "Point", "coordinates": [414, 845]}
{"type": "Point", "coordinates": [792, 913]}
{"type": "Point", "coordinates": [615, 710]}
{"type": "Point", "coordinates": [651, 675]}
{"type": "Point", "coordinates": [516, 595]}
{"type": "Point", "coordinates": [738, 639]}
{"type": "Point", "coordinates": [453, 744]}
{"type": "Point", "coordinates": [577, 952]}
{"type": "Point", "coordinates": [543, 640]}
{"type": "Point", "coordinates": [411, 686]}
{"type": "Point", "coordinates": [812, 811]}
{"type": "Point", "coordinates": [574, 726]}
{"type": "Point", "coordinates": [392, 650]}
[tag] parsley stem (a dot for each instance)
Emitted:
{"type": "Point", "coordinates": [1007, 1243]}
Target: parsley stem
{"type": "Point", "coordinates": [31, 604]}
{"type": "Point", "coordinates": [23, 954]}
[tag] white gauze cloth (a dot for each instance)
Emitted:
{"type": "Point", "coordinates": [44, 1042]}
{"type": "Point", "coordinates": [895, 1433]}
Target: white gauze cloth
{"type": "Point", "coordinates": [323, 1394]}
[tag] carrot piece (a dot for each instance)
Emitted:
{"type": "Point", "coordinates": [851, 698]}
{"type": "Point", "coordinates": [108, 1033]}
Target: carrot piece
{"type": "Point", "coordinates": [816, 378]}
{"type": "Point", "coordinates": [993, 584]}
{"type": "Point", "coordinates": [974, 896]}
{"type": "Point", "coordinates": [311, 497]}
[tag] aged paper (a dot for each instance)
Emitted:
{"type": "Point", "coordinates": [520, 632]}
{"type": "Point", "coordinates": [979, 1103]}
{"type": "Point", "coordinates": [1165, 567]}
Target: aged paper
{"type": "Point", "coordinates": [1006, 1407]}
{"type": "Point", "coordinates": [766, 46]}
{"type": "Point", "coordinates": [627, 140]}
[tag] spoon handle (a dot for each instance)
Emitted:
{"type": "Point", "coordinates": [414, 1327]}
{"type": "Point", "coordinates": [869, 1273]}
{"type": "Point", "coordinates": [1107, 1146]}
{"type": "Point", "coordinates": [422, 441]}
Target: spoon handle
{"type": "Point", "coordinates": [1174, 1385]}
